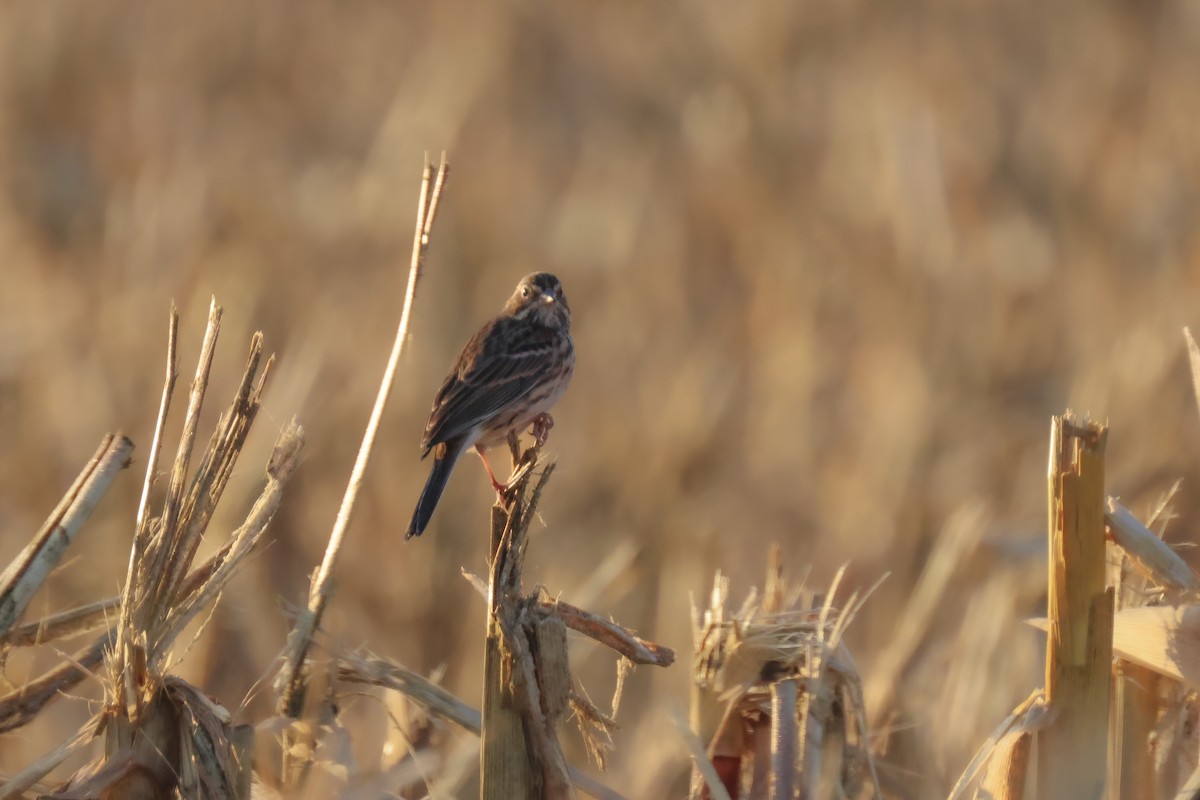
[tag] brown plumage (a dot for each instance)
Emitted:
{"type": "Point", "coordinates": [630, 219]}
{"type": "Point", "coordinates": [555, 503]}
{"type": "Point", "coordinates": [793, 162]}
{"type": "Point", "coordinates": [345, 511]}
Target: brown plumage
{"type": "Point", "coordinates": [506, 378]}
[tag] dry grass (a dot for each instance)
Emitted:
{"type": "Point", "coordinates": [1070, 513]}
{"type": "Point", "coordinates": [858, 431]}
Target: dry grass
{"type": "Point", "coordinates": [832, 266]}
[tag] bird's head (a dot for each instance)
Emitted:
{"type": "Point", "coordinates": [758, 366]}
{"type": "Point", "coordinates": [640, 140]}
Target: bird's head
{"type": "Point", "coordinates": [539, 297]}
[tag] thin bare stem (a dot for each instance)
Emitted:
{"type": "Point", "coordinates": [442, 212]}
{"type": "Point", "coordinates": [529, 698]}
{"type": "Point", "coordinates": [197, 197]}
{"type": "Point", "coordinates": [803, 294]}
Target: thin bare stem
{"type": "Point", "coordinates": [289, 684]}
{"type": "Point", "coordinates": [426, 209]}
{"type": "Point", "coordinates": [1193, 363]}
{"type": "Point", "coordinates": [61, 625]}
{"type": "Point", "coordinates": [141, 529]}
{"type": "Point", "coordinates": [164, 406]}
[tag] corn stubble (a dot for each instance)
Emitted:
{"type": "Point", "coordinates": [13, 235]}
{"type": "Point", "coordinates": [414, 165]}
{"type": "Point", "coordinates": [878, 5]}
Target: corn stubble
{"type": "Point", "coordinates": [777, 698]}
{"type": "Point", "coordinates": [778, 704]}
{"type": "Point", "coordinates": [779, 707]}
{"type": "Point", "coordinates": [1117, 715]}
{"type": "Point", "coordinates": [161, 735]}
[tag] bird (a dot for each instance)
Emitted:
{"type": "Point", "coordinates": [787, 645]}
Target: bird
{"type": "Point", "coordinates": [506, 379]}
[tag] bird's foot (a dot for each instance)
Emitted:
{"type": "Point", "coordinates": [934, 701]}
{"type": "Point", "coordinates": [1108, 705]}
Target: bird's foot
{"type": "Point", "coordinates": [541, 429]}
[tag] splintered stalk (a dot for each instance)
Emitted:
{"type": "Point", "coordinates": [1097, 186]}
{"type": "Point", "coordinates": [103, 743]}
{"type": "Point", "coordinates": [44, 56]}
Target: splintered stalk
{"type": "Point", "coordinates": [1079, 645]}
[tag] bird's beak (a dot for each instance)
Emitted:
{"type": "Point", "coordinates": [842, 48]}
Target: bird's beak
{"type": "Point", "coordinates": [548, 299]}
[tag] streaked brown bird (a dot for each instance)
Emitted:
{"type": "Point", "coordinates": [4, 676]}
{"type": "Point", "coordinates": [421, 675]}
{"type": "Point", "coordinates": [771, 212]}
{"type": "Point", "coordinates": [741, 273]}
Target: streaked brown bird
{"type": "Point", "coordinates": [506, 378]}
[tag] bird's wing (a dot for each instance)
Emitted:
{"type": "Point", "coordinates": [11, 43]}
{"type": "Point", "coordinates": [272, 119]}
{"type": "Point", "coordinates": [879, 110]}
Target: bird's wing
{"type": "Point", "coordinates": [501, 364]}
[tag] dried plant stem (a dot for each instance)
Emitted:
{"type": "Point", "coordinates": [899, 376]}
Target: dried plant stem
{"type": "Point", "coordinates": [1193, 363]}
{"type": "Point", "coordinates": [784, 696]}
{"type": "Point", "coordinates": [216, 465]}
{"type": "Point", "coordinates": [161, 734]}
{"type": "Point", "coordinates": [434, 698]}
{"type": "Point", "coordinates": [38, 559]}
{"type": "Point", "coordinates": [538, 726]}
{"type": "Point", "coordinates": [709, 780]}
{"type": "Point", "coordinates": [1151, 554]}
{"type": "Point", "coordinates": [26, 778]}
{"type": "Point", "coordinates": [1008, 768]}
{"type": "Point", "coordinates": [164, 407]}
{"type": "Point", "coordinates": [505, 766]}
{"type": "Point", "coordinates": [1135, 717]}
{"type": "Point", "coordinates": [290, 684]}
{"type": "Point", "coordinates": [1072, 754]}
{"type": "Point", "coordinates": [20, 706]}
{"type": "Point", "coordinates": [135, 596]}
{"type": "Point", "coordinates": [603, 631]}
{"type": "Point", "coordinates": [183, 455]}
{"type": "Point", "coordinates": [727, 749]}
{"type": "Point", "coordinates": [813, 718]}
{"type": "Point", "coordinates": [527, 680]}
{"type": "Point", "coordinates": [1191, 787]}
{"type": "Point", "coordinates": [242, 541]}
{"type": "Point", "coordinates": [61, 625]}
{"type": "Point", "coordinates": [611, 634]}
{"type": "Point", "coordinates": [779, 663]}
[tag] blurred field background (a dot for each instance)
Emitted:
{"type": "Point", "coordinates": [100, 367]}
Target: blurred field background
{"type": "Point", "coordinates": [832, 266]}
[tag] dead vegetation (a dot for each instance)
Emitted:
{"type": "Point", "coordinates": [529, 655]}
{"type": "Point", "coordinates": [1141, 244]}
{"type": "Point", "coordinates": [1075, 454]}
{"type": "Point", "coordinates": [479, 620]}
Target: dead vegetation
{"type": "Point", "coordinates": [866, 302]}
{"type": "Point", "coordinates": [777, 697]}
{"type": "Point", "coordinates": [161, 735]}
{"type": "Point", "coordinates": [778, 708]}
{"type": "Point", "coordinates": [164, 737]}
{"type": "Point", "coordinates": [778, 705]}
{"type": "Point", "coordinates": [892, 347]}
{"type": "Point", "coordinates": [1111, 718]}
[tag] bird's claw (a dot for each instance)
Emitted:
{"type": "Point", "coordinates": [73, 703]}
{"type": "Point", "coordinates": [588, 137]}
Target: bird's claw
{"type": "Point", "coordinates": [541, 429]}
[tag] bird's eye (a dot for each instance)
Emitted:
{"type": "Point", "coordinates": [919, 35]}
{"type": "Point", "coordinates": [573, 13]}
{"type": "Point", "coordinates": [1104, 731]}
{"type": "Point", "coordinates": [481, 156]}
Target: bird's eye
{"type": "Point", "coordinates": [525, 291]}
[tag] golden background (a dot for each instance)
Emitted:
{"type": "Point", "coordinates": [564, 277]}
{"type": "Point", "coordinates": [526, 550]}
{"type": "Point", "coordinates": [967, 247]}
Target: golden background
{"type": "Point", "coordinates": [832, 265]}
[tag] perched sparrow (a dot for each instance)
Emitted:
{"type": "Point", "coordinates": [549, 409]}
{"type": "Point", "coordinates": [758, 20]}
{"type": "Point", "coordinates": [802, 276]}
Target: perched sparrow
{"type": "Point", "coordinates": [505, 379]}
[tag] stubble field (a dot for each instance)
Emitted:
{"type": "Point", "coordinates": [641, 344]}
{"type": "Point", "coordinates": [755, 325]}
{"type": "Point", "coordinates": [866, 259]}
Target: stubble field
{"type": "Point", "coordinates": [832, 269]}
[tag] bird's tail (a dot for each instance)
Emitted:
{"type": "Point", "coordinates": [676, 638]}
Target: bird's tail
{"type": "Point", "coordinates": [443, 465]}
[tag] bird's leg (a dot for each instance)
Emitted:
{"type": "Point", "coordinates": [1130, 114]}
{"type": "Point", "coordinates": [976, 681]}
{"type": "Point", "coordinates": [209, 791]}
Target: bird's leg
{"type": "Point", "coordinates": [542, 424]}
{"type": "Point", "coordinates": [497, 485]}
